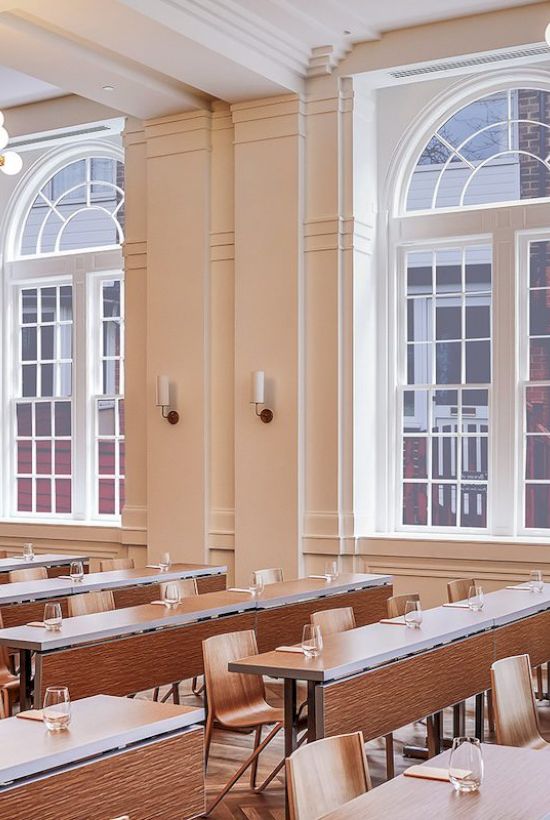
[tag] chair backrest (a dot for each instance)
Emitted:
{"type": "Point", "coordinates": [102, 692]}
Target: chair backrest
{"type": "Point", "coordinates": [326, 774]}
{"type": "Point", "coordinates": [270, 576]}
{"type": "Point", "coordinates": [109, 564]}
{"type": "Point", "coordinates": [516, 719]}
{"type": "Point", "coordinates": [396, 605]}
{"type": "Point", "coordinates": [187, 586]}
{"type": "Point", "coordinates": [88, 603]}
{"type": "Point", "coordinates": [331, 621]}
{"type": "Point", "coordinates": [458, 590]}
{"type": "Point", "coordinates": [29, 574]}
{"type": "Point", "coordinates": [230, 693]}
{"type": "Point", "coordinates": [3, 554]}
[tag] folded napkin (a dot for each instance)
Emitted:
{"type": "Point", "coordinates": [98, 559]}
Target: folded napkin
{"type": "Point", "coordinates": [160, 603]}
{"type": "Point", "coordinates": [37, 623]}
{"type": "Point", "coordinates": [297, 649]}
{"type": "Point", "coordinates": [390, 621]}
{"type": "Point", "coordinates": [65, 577]}
{"type": "Point", "coordinates": [319, 577]}
{"type": "Point", "coordinates": [458, 606]}
{"type": "Point", "coordinates": [240, 589]}
{"type": "Point", "coordinates": [433, 773]}
{"type": "Point", "coordinates": [30, 714]}
{"type": "Point", "coordinates": [152, 566]}
{"type": "Point", "coordinates": [521, 586]}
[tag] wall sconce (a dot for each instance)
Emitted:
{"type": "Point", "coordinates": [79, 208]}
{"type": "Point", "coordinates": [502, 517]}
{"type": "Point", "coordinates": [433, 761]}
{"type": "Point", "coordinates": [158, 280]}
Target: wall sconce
{"type": "Point", "coordinates": [258, 396]}
{"type": "Point", "coordinates": [163, 400]}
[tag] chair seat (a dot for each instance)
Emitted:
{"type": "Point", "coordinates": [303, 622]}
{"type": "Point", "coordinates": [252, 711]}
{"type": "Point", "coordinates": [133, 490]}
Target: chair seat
{"type": "Point", "coordinates": [8, 681]}
{"type": "Point", "coordinates": [257, 715]}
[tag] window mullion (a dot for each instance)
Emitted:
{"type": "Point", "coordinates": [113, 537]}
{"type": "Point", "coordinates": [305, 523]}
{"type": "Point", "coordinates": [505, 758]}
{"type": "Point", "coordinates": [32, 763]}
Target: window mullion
{"type": "Point", "coordinates": [79, 410]}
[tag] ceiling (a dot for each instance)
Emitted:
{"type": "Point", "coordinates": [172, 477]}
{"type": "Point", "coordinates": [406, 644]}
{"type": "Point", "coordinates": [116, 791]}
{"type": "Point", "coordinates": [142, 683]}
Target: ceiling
{"type": "Point", "coordinates": [161, 56]}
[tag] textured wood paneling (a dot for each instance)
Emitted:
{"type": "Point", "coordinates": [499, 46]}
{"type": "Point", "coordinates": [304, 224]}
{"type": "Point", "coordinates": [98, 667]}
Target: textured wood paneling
{"type": "Point", "coordinates": [19, 614]}
{"type": "Point", "coordinates": [531, 636]}
{"type": "Point", "coordinates": [136, 663]}
{"type": "Point", "coordinates": [284, 624]}
{"type": "Point", "coordinates": [163, 780]}
{"type": "Point", "coordinates": [212, 583]}
{"type": "Point", "coordinates": [382, 700]}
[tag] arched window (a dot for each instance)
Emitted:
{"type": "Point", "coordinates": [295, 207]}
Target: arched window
{"type": "Point", "coordinates": [469, 280]}
{"type": "Point", "coordinates": [65, 348]}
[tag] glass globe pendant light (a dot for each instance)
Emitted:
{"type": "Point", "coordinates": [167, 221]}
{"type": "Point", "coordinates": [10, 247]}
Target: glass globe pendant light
{"type": "Point", "coordinates": [10, 162]}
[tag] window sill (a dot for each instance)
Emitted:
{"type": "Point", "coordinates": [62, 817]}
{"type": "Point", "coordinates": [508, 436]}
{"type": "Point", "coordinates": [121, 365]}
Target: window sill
{"type": "Point", "coordinates": [470, 538]}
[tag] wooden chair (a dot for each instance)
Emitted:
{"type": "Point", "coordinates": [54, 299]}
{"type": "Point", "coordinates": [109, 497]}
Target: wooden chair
{"type": "Point", "coordinates": [89, 603]}
{"type": "Point", "coordinates": [9, 683]}
{"type": "Point", "coordinates": [332, 621]}
{"type": "Point", "coordinates": [3, 554]}
{"type": "Point", "coordinates": [269, 576]}
{"type": "Point", "coordinates": [325, 775]}
{"type": "Point", "coordinates": [29, 574]}
{"type": "Point", "coordinates": [109, 564]}
{"type": "Point", "coordinates": [459, 590]}
{"type": "Point", "coordinates": [515, 711]}
{"type": "Point", "coordinates": [188, 588]}
{"type": "Point", "coordinates": [397, 604]}
{"type": "Point", "coordinates": [237, 702]}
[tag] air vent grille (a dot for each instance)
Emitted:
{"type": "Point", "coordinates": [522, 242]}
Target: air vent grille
{"type": "Point", "coordinates": [55, 136]}
{"type": "Point", "coordinates": [468, 62]}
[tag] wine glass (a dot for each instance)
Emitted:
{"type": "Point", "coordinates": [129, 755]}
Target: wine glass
{"type": "Point", "coordinates": [256, 584]}
{"type": "Point", "coordinates": [413, 614]}
{"type": "Point", "coordinates": [56, 711]}
{"type": "Point", "coordinates": [53, 617]}
{"type": "Point", "coordinates": [312, 641]}
{"type": "Point", "coordinates": [76, 571]}
{"type": "Point", "coordinates": [171, 594]}
{"type": "Point", "coordinates": [28, 552]}
{"type": "Point", "coordinates": [466, 764]}
{"type": "Point", "coordinates": [536, 582]}
{"type": "Point", "coordinates": [331, 570]}
{"type": "Point", "coordinates": [476, 600]}
{"type": "Point", "coordinates": [164, 562]}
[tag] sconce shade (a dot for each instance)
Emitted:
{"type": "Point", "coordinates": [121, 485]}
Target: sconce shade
{"type": "Point", "coordinates": [163, 391]}
{"type": "Point", "coordinates": [257, 387]}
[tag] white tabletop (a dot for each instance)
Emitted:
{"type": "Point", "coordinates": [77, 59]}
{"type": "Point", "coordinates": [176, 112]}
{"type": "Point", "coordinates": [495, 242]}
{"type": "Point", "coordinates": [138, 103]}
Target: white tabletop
{"type": "Point", "coordinates": [43, 560]}
{"type": "Point", "coordinates": [307, 589]}
{"type": "Point", "coordinates": [20, 591]}
{"type": "Point", "coordinates": [99, 724]}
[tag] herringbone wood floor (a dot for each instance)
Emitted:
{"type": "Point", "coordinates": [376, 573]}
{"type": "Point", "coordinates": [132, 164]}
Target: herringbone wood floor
{"type": "Point", "coordinates": [229, 750]}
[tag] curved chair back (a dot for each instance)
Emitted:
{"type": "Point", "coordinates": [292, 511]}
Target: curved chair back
{"type": "Point", "coordinates": [458, 590]}
{"type": "Point", "coordinates": [3, 554]}
{"type": "Point", "coordinates": [326, 774]}
{"type": "Point", "coordinates": [516, 719]}
{"type": "Point", "coordinates": [29, 574]}
{"type": "Point", "coordinates": [334, 620]}
{"type": "Point", "coordinates": [396, 605]}
{"type": "Point", "coordinates": [109, 564]}
{"type": "Point", "coordinates": [187, 586]}
{"type": "Point", "coordinates": [230, 694]}
{"type": "Point", "coordinates": [88, 603]}
{"type": "Point", "coordinates": [270, 576]}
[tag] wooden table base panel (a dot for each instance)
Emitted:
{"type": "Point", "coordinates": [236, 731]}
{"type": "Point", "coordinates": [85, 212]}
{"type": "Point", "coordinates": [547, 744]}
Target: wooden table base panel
{"type": "Point", "coordinates": [380, 701]}
{"type": "Point", "coordinates": [133, 664]}
{"type": "Point", "coordinates": [369, 605]}
{"type": "Point", "coordinates": [160, 781]}
{"type": "Point", "coordinates": [212, 583]}
{"type": "Point", "coordinates": [531, 635]}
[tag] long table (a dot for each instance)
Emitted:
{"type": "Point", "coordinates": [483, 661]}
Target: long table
{"type": "Point", "coordinates": [137, 648]}
{"type": "Point", "coordinates": [55, 563]}
{"type": "Point", "coordinates": [383, 676]}
{"type": "Point", "coordinates": [515, 786]}
{"type": "Point", "coordinates": [23, 601]}
{"type": "Point", "coordinates": [119, 757]}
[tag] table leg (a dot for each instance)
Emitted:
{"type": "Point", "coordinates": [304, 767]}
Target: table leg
{"type": "Point", "coordinates": [25, 681]}
{"type": "Point", "coordinates": [480, 716]}
{"type": "Point", "coordinates": [459, 714]}
{"type": "Point", "coordinates": [311, 716]}
{"type": "Point", "coordinates": [290, 716]}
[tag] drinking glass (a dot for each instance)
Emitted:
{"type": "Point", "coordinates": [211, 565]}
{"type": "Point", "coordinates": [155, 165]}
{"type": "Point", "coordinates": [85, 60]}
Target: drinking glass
{"type": "Point", "coordinates": [331, 570]}
{"type": "Point", "coordinates": [53, 617]}
{"type": "Point", "coordinates": [28, 552]}
{"type": "Point", "coordinates": [312, 641]}
{"type": "Point", "coordinates": [171, 594]}
{"type": "Point", "coordinates": [76, 571]}
{"type": "Point", "coordinates": [256, 584]}
{"type": "Point", "coordinates": [466, 764]}
{"type": "Point", "coordinates": [536, 581]}
{"type": "Point", "coordinates": [164, 562]}
{"type": "Point", "coordinates": [56, 711]}
{"type": "Point", "coordinates": [413, 614]}
{"type": "Point", "coordinates": [476, 600]}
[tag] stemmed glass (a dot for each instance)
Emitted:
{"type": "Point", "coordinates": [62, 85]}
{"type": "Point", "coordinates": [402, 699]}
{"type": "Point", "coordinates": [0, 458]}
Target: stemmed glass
{"type": "Point", "coordinates": [56, 711]}
{"type": "Point", "coordinates": [331, 570]}
{"type": "Point", "coordinates": [53, 617]}
{"type": "Point", "coordinates": [466, 764]}
{"type": "Point", "coordinates": [536, 581]}
{"type": "Point", "coordinates": [164, 562]}
{"type": "Point", "coordinates": [28, 552]}
{"type": "Point", "coordinates": [413, 614]}
{"type": "Point", "coordinates": [476, 600]}
{"type": "Point", "coordinates": [256, 584]}
{"type": "Point", "coordinates": [312, 641]}
{"type": "Point", "coordinates": [76, 571]}
{"type": "Point", "coordinates": [171, 594]}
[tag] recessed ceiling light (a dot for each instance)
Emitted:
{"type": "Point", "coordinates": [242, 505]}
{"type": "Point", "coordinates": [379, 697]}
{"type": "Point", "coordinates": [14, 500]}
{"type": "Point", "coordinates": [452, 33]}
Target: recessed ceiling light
{"type": "Point", "coordinates": [347, 31]}
{"type": "Point", "coordinates": [108, 88]}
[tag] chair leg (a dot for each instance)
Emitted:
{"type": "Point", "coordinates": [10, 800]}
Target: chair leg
{"type": "Point", "coordinates": [540, 686]}
{"type": "Point", "coordinates": [390, 764]}
{"type": "Point", "coordinates": [195, 688]}
{"type": "Point", "coordinates": [254, 767]}
{"type": "Point", "coordinates": [279, 766]}
{"type": "Point", "coordinates": [243, 768]}
{"type": "Point", "coordinates": [156, 693]}
{"type": "Point", "coordinates": [490, 711]}
{"type": "Point", "coordinates": [208, 737]}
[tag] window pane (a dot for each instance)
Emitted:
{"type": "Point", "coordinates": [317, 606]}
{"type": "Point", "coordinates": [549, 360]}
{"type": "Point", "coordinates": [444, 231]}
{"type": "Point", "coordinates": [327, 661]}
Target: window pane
{"type": "Point", "coordinates": [475, 411]}
{"type": "Point", "coordinates": [43, 495]}
{"type": "Point", "coordinates": [448, 318]}
{"type": "Point", "coordinates": [106, 458]}
{"type": "Point", "coordinates": [538, 409]}
{"type": "Point", "coordinates": [44, 457]}
{"type": "Point", "coordinates": [474, 505]}
{"type": "Point", "coordinates": [539, 359]}
{"type": "Point", "coordinates": [28, 344]}
{"type": "Point", "coordinates": [42, 418]}
{"type": "Point", "coordinates": [106, 418]}
{"type": "Point", "coordinates": [28, 301]}
{"type": "Point", "coordinates": [444, 505]}
{"type": "Point", "coordinates": [121, 423]}
{"type": "Point", "coordinates": [478, 319]}
{"type": "Point", "coordinates": [65, 341]}
{"type": "Point", "coordinates": [539, 264]}
{"type": "Point", "coordinates": [448, 363]}
{"type": "Point", "coordinates": [478, 362]}
{"type": "Point", "coordinates": [24, 419]}
{"type": "Point", "coordinates": [539, 312]}
{"type": "Point", "coordinates": [122, 457]}
{"type": "Point", "coordinates": [415, 411]}
{"type": "Point", "coordinates": [46, 342]}
{"type": "Point", "coordinates": [419, 320]}
{"type": "Point", "coordinates": [445, 411]}
{"type": "Point", "coordinates": [62, 457]}
{"type": "Point", "coordinates": [106, 496]}
{"type": "Point", "coordinates": [66, 303]}
{"type": "Point", "coordinates": [448, 272]}
{"type": "Point", "coordinates": [62, 495]}
{"type": "Point", "coordinates": [46, 380]}
{"type": "Point", "coordinates": [537, 461]}
{"type": "Point", "coordinates": [111, 299]}
{"type": "Point", "coordinates": [414, 458]}
{"type": "Point", "coordinates": [419, 363]}
{"type": "Point", "coordinates": [419, 273]}
{"type": "Point", "coordinates": [48, 299]}
{"type": "Point", "coordinates": [475, 458]}
{"type": "Point", "coordinates": [24, 495]}
{"type": "Point", "coordinates": [478, 269]}
{"type": "Point", "coordinates": [444, 455]}
{"type": "Point", "coordinates": [62, 418]}
{"type": "Point", "coordinates": [537, 506]}
{"type": "Point", "coordinates": [28, 375]}
{"type": "Point", "coordinates": [415, 504]}
{"type": "Point", "coordinates": [24, 457]}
